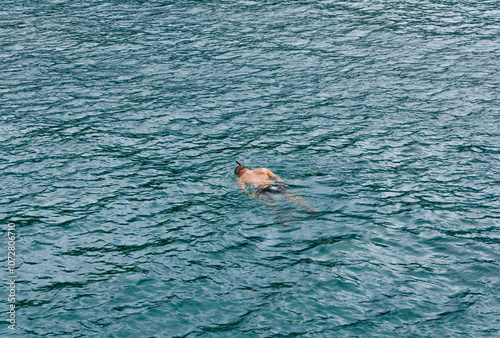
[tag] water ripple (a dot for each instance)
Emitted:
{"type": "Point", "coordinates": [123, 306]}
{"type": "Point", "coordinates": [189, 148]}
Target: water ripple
{"type": "Point", "coordinates": [121, 123]}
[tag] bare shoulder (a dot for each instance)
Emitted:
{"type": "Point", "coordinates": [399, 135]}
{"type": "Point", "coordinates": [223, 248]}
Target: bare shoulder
{"type": "Point", "coordinates": [269, 172]}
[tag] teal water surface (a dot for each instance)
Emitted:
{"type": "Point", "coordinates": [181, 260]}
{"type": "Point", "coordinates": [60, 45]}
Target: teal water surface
{"type": "Point", "coordinates": [120, 123]}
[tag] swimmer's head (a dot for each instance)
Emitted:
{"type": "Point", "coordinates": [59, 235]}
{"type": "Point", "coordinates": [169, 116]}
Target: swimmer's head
{"type": "Point", "coordinates": [240, 169]}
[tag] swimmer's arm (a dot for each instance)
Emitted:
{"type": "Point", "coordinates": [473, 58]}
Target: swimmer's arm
{"type": "Point", "coordinates": [242, 186]}
{"type": "Point", "coordinates": [276, 177]}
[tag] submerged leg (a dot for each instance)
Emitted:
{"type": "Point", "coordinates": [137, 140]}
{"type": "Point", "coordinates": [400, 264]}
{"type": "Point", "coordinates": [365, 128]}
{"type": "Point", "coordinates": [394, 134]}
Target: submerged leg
{"type": "Point", "coordinates": [298, 201]}
{"type": "Point", "coordinates": [268, 199]}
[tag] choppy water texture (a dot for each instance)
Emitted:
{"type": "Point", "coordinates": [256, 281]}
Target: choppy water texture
{"type": "Point", "coordinates": [120, 124]}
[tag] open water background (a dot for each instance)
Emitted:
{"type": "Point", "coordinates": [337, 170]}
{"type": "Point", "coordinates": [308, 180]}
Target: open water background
{"type": "Point", "coordinates": [120, 123]}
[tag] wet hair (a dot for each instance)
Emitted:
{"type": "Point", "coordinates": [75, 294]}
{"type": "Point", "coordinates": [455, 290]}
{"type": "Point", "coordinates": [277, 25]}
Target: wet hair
{"type": "Point", "coordinates": [239, 168]}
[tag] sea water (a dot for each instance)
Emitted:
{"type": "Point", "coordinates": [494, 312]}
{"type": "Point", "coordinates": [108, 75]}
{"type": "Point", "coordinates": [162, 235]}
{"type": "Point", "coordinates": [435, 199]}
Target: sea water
{"type": "Point", "coordinates": [120, 124]}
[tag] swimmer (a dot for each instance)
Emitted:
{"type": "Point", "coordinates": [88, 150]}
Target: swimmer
{"type": "Point", "coordinates": [266, 183]}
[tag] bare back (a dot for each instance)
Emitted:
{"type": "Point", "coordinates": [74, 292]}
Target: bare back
{"type": "Point", "coordinates": [258, 178]}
